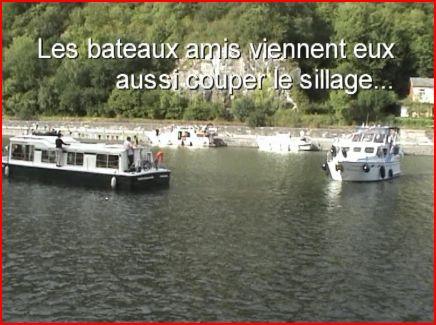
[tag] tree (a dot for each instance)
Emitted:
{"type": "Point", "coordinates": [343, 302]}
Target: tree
{"type": "Point", "coordinates": [242, 107]}
{"type": "Point", "coordinates": [124, 102]}
{"type": "Point", "coordinates": [340, 104]}
{"type": "Point", "coordinates": [373, 105]}
{"type": "Point", "coordinates": [173, 104]}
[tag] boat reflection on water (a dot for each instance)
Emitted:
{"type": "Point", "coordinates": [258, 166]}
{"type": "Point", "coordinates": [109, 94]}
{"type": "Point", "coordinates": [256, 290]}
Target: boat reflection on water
{"type": "Point", "coordinates": [333, 193]}
{"type": "Point", "coordinates": [375, 196]}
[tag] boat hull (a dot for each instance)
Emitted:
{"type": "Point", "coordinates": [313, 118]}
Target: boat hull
{"type": "Point", "coordinates": [355, 171]}
{"type": "Point", "coordinates": [150, 180]}
{"type": "Point", "coordinates": [309, 147]}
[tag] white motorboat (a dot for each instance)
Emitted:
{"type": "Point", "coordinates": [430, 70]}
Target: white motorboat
{"type": "Point", "coordinates": [283, 143]}
{"type": "Point", "coordinates": [369, 154]}
{"type": "Point", "coordinates": [87, 164]}
{"type": "Point", "coordinates": [186, 136]}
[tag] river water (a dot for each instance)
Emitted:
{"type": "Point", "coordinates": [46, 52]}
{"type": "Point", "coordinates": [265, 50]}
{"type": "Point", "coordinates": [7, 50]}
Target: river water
{"type": "Point", "coordinates": [239, 235]}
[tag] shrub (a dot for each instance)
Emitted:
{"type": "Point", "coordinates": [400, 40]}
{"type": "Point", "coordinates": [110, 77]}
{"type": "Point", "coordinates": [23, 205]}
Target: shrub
{"type": "Point", "coordinates": [242, 107]}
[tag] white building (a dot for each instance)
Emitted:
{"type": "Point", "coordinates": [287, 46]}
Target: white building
{"type": "Point", "coordinates": [422, 90]}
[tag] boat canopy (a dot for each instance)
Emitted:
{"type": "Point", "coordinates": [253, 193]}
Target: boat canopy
{"type": "Point", "coordinates": [49, 142]}
{"type": "Point", "coordinates": [377, 134]}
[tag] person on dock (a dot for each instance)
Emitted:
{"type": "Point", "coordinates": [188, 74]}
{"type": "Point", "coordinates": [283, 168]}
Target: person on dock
{"type": "Point", "coordinates": [129, 147]}
{"type": "Point", "coordinates": [59, 150]}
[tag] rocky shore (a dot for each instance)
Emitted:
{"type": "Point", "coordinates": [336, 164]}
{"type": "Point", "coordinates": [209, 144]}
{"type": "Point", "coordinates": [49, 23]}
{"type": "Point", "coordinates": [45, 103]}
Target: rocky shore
{"type": "Point", "coordinates": [414, 141]}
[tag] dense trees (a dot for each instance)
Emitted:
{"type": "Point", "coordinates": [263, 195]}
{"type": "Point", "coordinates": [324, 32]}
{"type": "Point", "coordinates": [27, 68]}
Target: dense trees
{"type": "Point", "coordinates": [83, 87]}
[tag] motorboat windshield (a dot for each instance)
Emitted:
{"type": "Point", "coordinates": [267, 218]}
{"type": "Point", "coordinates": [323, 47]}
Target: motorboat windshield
{"type": "Point", "coordinates": [378, 135]}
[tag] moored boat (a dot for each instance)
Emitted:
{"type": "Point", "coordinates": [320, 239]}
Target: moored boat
{"type": "Point", "coordinates": [186, 136]}
{"type": "Point", "coordinates": [369, 154]}
{"type": "Point", "coordinates": [284, 143]}
{"type": "Point", "coordinates": [88, 164]}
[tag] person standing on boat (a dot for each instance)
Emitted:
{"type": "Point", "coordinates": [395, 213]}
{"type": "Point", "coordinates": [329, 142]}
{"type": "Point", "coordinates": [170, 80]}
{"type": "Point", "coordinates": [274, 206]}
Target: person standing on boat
{"type": "Point", "coordinates": [158, 159]}
{"type": "Point", "coordinates": [129, 147]}
{"type": "Point", "coordinates": [59, 150]}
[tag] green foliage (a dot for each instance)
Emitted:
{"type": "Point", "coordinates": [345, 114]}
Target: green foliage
{"type": "Point", "coordinates": [84, 87]}
{"type": "Point", "coordinates": [23, 105]}
{"type": "Point", "coordinates": [125, 103]}
{"type": "Point", "coordinates": [372, 105]}
{"type": "Point", "coordinates": [300, 99]}
{"type": "Point", "coordinates": [200, 109]}
{"type": "Point", "coordinates": [173, 104]}
{"type": "Point", "coordinates": [414, 122]}
{"type": "Point", "coordinates": [258, 108]}
{"type": "Point", "coordinates": [409, 26]}
{"type": "Point", "coordinates": [340, 105]}
{"type": "Point", "coordinates": [242, 107]}
{"type": "Point", "coordinates": [286, 118]}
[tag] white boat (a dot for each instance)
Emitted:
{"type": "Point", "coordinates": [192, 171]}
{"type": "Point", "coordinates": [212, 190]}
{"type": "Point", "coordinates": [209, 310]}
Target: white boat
{"type": "Point", "coordinates": [369, 154]}
{"type": "Point", "coordinates": [283, 143]}
{"type": "Point", "coordinates": [34, 156]}
{"type": "Point", "coordinates": [185, 136]}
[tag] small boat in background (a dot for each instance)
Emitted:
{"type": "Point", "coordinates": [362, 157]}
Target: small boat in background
{"type": "Point", "coordinates": [283, 143]}
{"type": "Point", "coordinates": [186, 136]}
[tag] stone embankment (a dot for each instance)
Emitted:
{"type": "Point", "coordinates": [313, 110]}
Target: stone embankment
{"type": "Point", "coordinates": [414, 141]}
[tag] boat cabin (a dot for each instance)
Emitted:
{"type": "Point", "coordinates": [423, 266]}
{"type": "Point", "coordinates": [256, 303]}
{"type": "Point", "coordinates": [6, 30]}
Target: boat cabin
{"type": "Point", "coordinates": [374, 141]}
{"type": "Point", "coordinates": [41, 151]}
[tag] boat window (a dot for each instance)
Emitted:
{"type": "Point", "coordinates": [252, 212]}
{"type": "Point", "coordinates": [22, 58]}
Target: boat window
{"type": "Point", "coordinates": [357, 137]}
{"type": "Point", "coordinates": [79, 158]}
{"type": "Point", "coordinates": [112, 161]}
{"type": "Point", "coordinates": [107, 161]}
{"type": "Point", "coordinates": [379, 138]}
{"type": "Point", "coordinates": [357, 149]}
{"type": "Point", "coordinates": [23, 152]}
{"type": "Point", "coordinates": [369, 150]}
{"type": "Point", "coordinates": [48, 156]}
{"type": "Point", "coordinates": [75, 158]}
{"type": "Point", "coordinates": [17, 152]}
{"type": "Point", "coordinates": [101, 161]}
{"type": "Point", "coordinates": [367, 137]}
{"type": "Point", "coordinates": [29, 153]}
{"type": "Point", "coordinates": [380, 151]}
{"type": "Point", "coordinates": [71, 158]}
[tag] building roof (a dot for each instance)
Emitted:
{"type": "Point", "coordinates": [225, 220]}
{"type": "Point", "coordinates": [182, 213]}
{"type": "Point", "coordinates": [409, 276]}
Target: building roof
{"type": "Point", "coordinates": [422, 82]}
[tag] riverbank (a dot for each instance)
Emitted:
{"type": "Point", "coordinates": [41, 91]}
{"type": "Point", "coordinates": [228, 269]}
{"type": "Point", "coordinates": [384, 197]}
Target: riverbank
{"type": "Point", "coordinates": [414, 141]}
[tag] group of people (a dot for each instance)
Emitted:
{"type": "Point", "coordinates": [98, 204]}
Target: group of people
{"type": "Point", "coordinates": [128, 145]}
{"type": "Point", "coordinates": [130, 148]}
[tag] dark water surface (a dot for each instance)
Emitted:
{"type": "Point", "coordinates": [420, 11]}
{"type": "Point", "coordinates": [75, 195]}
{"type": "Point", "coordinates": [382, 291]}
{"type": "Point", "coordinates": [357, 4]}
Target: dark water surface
{"type": "Point", "coordinates": [239, 235]}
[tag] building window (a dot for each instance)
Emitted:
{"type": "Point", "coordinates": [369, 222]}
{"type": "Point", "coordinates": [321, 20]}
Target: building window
{"type": "Point", "coordinates": [107, 161]}
{"type": "Point", "coordinates": [369, 150]}
{"type": "Point", "coordinates": [357, 149]}
{"type": "Point", "coordinates": [48, 156]}
{"type": "Point", "coordinates": [22, 152]}
{"type": "Point", "coordinates": [75, 159]}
